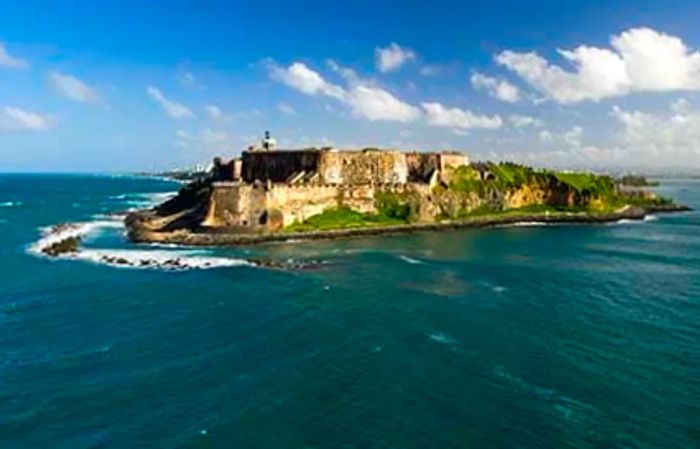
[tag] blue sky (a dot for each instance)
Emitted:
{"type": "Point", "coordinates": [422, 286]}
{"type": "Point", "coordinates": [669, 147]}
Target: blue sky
{"type": "Point", "coordinates": [122, 86]}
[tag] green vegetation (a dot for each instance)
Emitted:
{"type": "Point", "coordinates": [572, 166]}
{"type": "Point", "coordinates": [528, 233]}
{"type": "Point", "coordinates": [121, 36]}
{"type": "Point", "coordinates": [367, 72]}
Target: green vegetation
{"type": "Point", "coordinates": [466, 179]}
{"type": "Point", "coordinates": [602, 186]}
{"type": "Point", "coordinates": [486, 186]}
{"type": "Point", "coordinates": [391, 206]}
{"type": "Point", "coordinates": [342, 218]}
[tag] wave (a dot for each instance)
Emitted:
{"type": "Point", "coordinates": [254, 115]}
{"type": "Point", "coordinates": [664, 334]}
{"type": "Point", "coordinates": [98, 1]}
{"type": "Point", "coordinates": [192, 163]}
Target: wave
{"type": "Point", "coordinates": [411, 260]}
{"type": "Point", "coordinates": [58, 233]}
{"type": "Point", "coordinates": [163, 260]}
{"type": "Point", "coordinates": [524, 224]}
{"type": "Point", "coordinates": [127, 258]}
{"type": "Point", "coordinates": [10, 203]}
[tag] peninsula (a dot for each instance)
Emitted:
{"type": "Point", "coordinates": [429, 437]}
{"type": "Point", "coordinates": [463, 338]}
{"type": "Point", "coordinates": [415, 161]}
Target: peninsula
{"type": "Point", "coordinates": [273, 195]}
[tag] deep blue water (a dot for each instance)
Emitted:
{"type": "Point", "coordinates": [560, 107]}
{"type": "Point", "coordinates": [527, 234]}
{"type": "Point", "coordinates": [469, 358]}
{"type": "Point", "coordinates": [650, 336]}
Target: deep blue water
{"type": "Point", "coordinates": [522, 337]}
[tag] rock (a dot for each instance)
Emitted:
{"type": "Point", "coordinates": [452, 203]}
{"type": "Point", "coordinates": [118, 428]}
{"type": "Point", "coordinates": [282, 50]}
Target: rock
{"type": "Point", "coordinates": [65, 246]}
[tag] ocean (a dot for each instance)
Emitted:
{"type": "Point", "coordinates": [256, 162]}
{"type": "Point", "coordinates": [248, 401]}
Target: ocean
{"type": "Point", "coordinates": [573, 336]}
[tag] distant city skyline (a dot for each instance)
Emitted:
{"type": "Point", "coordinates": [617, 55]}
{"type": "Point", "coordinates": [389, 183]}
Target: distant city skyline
{"type": "Point", "coordinates": [134, 86]}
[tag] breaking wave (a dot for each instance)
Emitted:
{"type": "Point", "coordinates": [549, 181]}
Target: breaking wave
{"type": "Point", "coordinates": [58, 233]}
{"type": "Point", "coordinates": [126, 258]}
{"type": "Point", "coordinates": [10, 203]}
{"type": "Point", "coordinates": [411, 260]}
{"type": "Point", "coordinates": [163, 260]}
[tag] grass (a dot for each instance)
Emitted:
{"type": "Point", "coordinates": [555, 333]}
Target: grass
{"type": "Point", "coordinates": [342, 218]}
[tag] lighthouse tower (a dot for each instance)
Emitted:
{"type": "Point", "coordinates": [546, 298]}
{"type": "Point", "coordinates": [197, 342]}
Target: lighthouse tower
{"type": "Point", "coordinates": [268, 143]}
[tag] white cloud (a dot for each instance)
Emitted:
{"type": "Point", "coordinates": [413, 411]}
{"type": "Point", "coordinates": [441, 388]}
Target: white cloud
{"type": "Point", "coordinates": [7, 60]}
{"type": "Point", "coordinates": [393, 57]}
{"type": "Point", "coordinates": [286, 108]}
{"type": "Point", "coordinates": [661, 139]}
{"type": "Point", "coordinates": [439, 115]}
{"type": "Point", "coordinates": [16, 119]}
{"type": "Point", "coordinates": [172, 108]}
{"type": "Point", "coordinates": [214, 111]}
{"type": "Point", "coordinates": [73, 88]}
{"type": "Point", "coordinates": [305, 80]}
{"type": "Point", "coordinates": [496, 88]}
{"type": "Point", "coordinates": [523, 121]}
{"type": "Point", "coordinates": [546, 136]}
{"type": "Point", "coordinates": [640, 59]}
{"type": "Point", "coordinates": [348, 74]}
{"type": "Point", "coordinates": [374, 103]}
{"type": "Point", "coordinates": [573, 137]}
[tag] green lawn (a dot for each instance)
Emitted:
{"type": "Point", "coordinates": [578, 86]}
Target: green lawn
{"type": "Point", "coordinates": [342, 218]}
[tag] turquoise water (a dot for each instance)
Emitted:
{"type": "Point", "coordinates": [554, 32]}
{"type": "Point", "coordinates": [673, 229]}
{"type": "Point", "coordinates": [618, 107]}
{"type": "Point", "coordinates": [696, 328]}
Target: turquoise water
{"type": "Point", "coordinates": [521, 337]}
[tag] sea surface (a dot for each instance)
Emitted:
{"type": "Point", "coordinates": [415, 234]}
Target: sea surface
{"type": "Point", "coordinates": [516, 337]}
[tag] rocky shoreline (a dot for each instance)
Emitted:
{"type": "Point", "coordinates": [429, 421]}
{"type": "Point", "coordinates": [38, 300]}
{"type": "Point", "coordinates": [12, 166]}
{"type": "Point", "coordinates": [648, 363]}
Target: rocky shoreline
{"type": "Point", "coordinates": [139, 231]}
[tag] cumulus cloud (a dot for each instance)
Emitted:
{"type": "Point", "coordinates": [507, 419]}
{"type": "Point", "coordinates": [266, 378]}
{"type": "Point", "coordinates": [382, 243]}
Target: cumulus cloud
{"type": "Point", "coordinates": [439, 115]}
{"type": "Point", "coordinates": [661, 138]}
{"type": "Point", "coordinates": [523, 121]}
{"type": "Point", "coordinates": [7, 60]}
{"type": "Point", "coordinates": [496, 88]}
{"type": "Point", "coordinates": [17, 119]}
{"type": "Point", "coordinates": [286, 108]}
{"type": "Point", "coordinates": [640, 59]}
{"type": "Point", "coordinates": [392, 57]}
{"type": "Point", "coordinates": [305, 80]}
{"type": "Point", "coordinates": [372, 103]}
{"type": "Point", "coordinates": [73, 88]}
{"type": "Point", "coordinates": [172, 108]}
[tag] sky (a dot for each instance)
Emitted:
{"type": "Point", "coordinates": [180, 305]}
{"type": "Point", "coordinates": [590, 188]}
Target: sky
{"type": "Point", "coordinates": [118, 86]}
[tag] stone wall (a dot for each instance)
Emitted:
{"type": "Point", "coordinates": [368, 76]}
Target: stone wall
{"type": "Point", "coordinates": [277, 166]}
{"type": "Point", "coordinates": [235, 205]}
{"type": "Point", "coordinates": [363, 167]}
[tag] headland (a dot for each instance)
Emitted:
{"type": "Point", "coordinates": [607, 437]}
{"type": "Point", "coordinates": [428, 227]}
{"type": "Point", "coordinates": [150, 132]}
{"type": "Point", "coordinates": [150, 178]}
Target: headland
{"type": "Point", "coordinates": [326, 193]}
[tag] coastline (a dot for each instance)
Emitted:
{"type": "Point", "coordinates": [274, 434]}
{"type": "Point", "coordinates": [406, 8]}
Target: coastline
{"type": "Point", "coordinates": [138, 233]}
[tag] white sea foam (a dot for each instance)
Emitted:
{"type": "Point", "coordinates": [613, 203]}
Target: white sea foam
{"type": "Point", "coordinates": [626, 221]}
{"type": "Point", "coordinates": [442, 338]}
{"type": "Point", "coordinates": [143, 199]}
{"type": "Point", "coordinates": [155, 259]}
{"type": "Point", "coordinates": [411, 260]}
{"type": "Point", "coordinates": [10, 203]}
{"type": "Point", "coordinates": [524, 224]}
{"type": "Point", "coordinates": [127, 258]}
{"type": "Point", "coordinates": [55, 234]}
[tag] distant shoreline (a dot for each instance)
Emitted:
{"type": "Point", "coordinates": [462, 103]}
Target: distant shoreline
{"type": "Point", "coordinates": [205, 237]}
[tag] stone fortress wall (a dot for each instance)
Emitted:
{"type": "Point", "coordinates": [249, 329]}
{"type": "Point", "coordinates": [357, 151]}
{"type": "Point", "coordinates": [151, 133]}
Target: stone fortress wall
{"type": "Point", "coordinates": [272, 189]}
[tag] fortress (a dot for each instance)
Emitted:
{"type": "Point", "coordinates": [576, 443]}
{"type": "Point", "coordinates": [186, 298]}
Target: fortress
{"type": "Point", "coordinates": [255, 198]}
{"type": "Point", "coordinates": [267, 189]}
